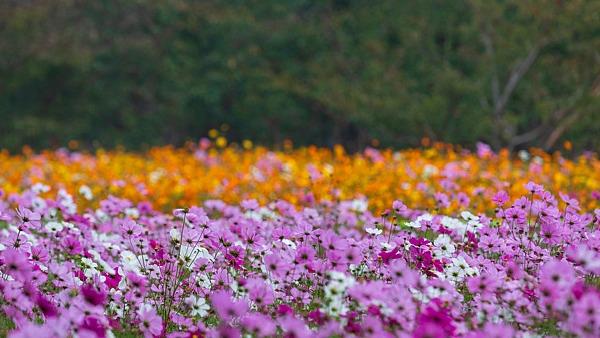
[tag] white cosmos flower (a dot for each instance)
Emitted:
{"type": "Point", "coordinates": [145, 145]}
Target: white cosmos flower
{"type": "Point", "coordinates": [467, 216]}
{"type": "Point", "coordinates": [429, 170]}
{"type": "Point", "coordinates": [374, 231]}
{"type": "Point", "coordinates": [174, 233]}
{"type": "Point", "coordinates": [102, 262]}
{"type": "Point", "coordinates": [474, 225]}
{"type": "Point", "coordinates": [461, 264]}
{"type": "Point", "coordinates": [89, 263]}
{"type": "Point", "coordinates": [102, 216]}
{"type": "Point", "coordinates": [192, 254]}
{"type": "Point", "coordinates": [86, 192]}
{"type": "Point", "coordinates": [132, 213]}
{"type": "Point", "coordinates": [204, 281]}
{"type": "Point", "coordinates": [51, 214]}
{"type": "Point", "coordinates": [336, 307]}
{"type": "Point", "coordinates": [335, 292]}
{"type": "Point", "coordinates": [289, 243]}
{"type": "Point", "coordinates": [442, 240]}
{"type": "Point", "coordinates": [252, 214]}
{"type": "Point", "coordinates": [454, 274]}
{"type": "Point", "coordinates": [359, 205]}
{"type": "Point", "coordinates": [524, 155]}
{"type": "Point", "coordinates": [90, 269]}
{"type": "Point", "coordinates": [443, 246]}
{"type": "Point", "coordinates": [131, 262]}
{"type": "Point", "coordinates": [387, 246]}
{"type": "Point", "coordinates": [54, 226]}
{"type": "Point", "coordinates": [38, 203]}
{"type": "Point", "coordinates": [40, 188]}
{"type": "Point", "coordinates": [69, 205]}
{"type": "Point", "coordinates": [417, 222]}
{"type": "Point", "coordinates": [198, 305]}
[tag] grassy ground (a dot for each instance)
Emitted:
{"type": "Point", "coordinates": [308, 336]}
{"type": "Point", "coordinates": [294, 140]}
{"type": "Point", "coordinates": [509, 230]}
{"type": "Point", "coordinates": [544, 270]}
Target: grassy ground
{"type": "Point", "coordinates": [5, 325]}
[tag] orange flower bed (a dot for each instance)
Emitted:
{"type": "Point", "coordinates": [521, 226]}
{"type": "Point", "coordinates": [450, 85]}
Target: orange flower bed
{"type": "Point", "coordinates": [173, 177]}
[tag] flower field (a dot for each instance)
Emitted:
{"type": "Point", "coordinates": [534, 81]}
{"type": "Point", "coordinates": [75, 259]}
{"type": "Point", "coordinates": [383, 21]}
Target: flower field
{"type": "Point", "coordinates": [223, 241]}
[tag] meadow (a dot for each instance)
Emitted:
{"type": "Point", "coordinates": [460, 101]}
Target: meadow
{"type": "Point", "coordinates": [217, 240]}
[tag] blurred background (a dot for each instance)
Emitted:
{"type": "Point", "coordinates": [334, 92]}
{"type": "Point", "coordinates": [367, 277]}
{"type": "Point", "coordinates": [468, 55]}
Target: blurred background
{"type": "Point", "coordinates": [141, 73]}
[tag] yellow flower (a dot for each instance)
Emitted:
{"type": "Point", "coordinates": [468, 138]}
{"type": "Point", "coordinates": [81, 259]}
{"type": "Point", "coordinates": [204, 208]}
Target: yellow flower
{"type": "Point", "coordinates": [173, 177]}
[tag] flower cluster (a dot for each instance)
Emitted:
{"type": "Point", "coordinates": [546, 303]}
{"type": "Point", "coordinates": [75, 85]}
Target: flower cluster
{"type": "Point", "coordinates": [527, 267]}
{"type": "Point", "coordinates": [442, 177]}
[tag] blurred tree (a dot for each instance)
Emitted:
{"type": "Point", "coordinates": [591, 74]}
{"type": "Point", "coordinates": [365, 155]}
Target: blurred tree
{"type": "Point", "coordinates": [542, 63]}
{"type": "Point", "coordinates": [141, 73]}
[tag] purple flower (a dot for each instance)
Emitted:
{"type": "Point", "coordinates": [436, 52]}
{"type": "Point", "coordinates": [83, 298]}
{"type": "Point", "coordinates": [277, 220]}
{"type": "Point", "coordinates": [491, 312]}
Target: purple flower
{"type": "Point", "coordinates": [388, 256]}
{"type": "Point", "coordinates": [150, 323]}
{"type": "Point", "coordinates": [47, 307]}
{"type": "Point", "coordinates": [92, 295]}
{"type": "Point", "coordinates": [93, 325]}
{"type": "Point", "coordinates": [557, 274]}
{"type": "Point", "coordinates": [16, 264]}
{"type": "Point", "coordinates": [28, 218]}
{"type": "Point", "coordinates": [294, 327]}
{"type": "Point", "coordinates": [72, 245]}
{"type": "Point", "coordinates": [434, 321]}
{"type": "Point", "coordinates": [304, 254]}
{"type": "Point", "coordinates": [226, 307]}
{"type": "Point", "coordinates": [259, 325]}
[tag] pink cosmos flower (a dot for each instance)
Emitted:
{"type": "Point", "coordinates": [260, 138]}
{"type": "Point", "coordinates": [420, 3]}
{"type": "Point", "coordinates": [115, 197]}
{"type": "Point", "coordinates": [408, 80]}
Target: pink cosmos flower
{"type": "Point", "coordinates": [441, 200]}
{"type": "Point", "coordinates": [4, 216]}
{"type": "Point", "coordinates": [92, 295]}
{"type": "Point", "coordinates": [500, 198]}
{"type": "Point", "coordinates": [31, 330]}
{"type": "Point", "coordinates": [137, 282]}
{"type": "Point", "coordinates": [304, 254]}
{"type": "Point", "coordinates": [250, 204]}
{"type": "Point", "coordinates": [388, 256]}
{"type": "Point", "coordinates": [399, 207]}
{"type": "Point", "coordinates": [39, 254]}
{"type": "Point", "coordinates": [16, 264]}
{"type": "Point", "coordinates": [130, 228]}
{"type": "Point", "coordinates": [72, 245]}
{"type": "Point", "coordinates": [112, 280]}
{"type": "Point", "coordinates": [434, 321]}
{"type": "Point", "coordinates": [491, 330]}
{"type": "Point", "coordinates": [47, 307]}
{"type": "Point", "coordinates": [28, 218]}
{"type": "Point", "coordinates": [557, 274]}
{"type": "Point", "coordinates": [483, 285]}
{"type": "Point", "coordinates": [226, 307]}
{"type": "Point", "coordinates": [551, 233]}
{"type": "Point", "coordinates": [92, 327]}
{"type": "Point", "coordinates": [484, 150]}
{"type": "Point", "coordinates": [585, 319]}
{"type": "Point", "coordinates": [275, 264]}
{"type": "Point", "coordinates": [259, 325]}
{"type": "Point", "coordinates": [294, 327]}
{"type": "Point", "coordinates": [150, 323]}
{"type": "Point", "coordinates": [533, 187]}
{"type": "Point", "coordinates": [197, 216]}
{"type": "Point", "coordinates": [260, 292]}
{"type": "Point", "coordinates": [572, 204]}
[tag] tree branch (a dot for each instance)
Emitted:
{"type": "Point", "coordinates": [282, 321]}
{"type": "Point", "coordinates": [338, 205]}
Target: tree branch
{"type": "Point", "coordinates": [560, 129]}
{"type": "Point", "coordinates": [515, 77]}
{"type": "Point", "coordinates": [489, 49]}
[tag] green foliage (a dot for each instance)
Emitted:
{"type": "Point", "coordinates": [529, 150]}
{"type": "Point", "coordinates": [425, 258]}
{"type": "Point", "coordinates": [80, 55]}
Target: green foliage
{"type": "Point", "coordinates": [5, 325]}
{"type": "Point", "coordinates": [549, 328]}
{"type": "Point", "coordinates": [142, 73]}
{"type": "Point", "coordinates": [127, 334]}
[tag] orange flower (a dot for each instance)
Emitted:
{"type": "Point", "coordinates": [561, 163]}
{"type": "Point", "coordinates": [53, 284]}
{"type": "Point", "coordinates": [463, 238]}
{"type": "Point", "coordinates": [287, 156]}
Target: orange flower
{"type": "Point", "coordinates": [171, 177]}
